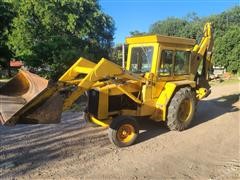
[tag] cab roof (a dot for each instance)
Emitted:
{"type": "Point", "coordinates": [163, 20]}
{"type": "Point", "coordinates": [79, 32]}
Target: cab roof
{"type": "Point", "coordinates": [160, 39]}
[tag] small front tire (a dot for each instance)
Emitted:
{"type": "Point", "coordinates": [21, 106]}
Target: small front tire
{"type": "Point", "coordinates": [123, 131]}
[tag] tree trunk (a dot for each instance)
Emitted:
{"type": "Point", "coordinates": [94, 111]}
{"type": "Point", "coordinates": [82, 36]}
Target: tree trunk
{"type": "Point", "coordinates": [9, 68]}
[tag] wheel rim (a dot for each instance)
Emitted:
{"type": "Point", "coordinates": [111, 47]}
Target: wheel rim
{"type": "Point", "coordinates": [185, 110]}
{"type": "Point", "coordinates": [125, 133]}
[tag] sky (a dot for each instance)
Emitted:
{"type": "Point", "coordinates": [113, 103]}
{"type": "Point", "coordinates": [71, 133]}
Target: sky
{"type": "Point", "coordinates": [131, 15]}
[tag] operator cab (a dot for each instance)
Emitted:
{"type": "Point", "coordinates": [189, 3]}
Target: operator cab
{"type": "Point", "coordinates": [164, 56]}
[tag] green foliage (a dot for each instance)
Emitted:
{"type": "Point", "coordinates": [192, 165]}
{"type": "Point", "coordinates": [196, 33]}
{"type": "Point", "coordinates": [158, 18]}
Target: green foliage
{"type": "Point", "coordinates": [137, 33]}
{"type": "Point", "coordinates": [116, 54]}
{"type": "Point", "coordinates": [50, 35]}
{"type": "Point", "coordinates": [226, 34]}
{"type": "Point", "coordinates": [171, 27]}
{"type": "Point", "coordinates": [227, 50]}
{"type": "Point", "coordinates": [6, 16]}
{"type": "Point", "coordinates": [189, 26]}
{"type": "Point", "coordinates": [225, 20]}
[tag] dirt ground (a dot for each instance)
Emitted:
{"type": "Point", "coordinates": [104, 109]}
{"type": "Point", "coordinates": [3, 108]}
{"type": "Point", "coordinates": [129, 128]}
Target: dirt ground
{"type": "Point", "coordinates": [209, 149]}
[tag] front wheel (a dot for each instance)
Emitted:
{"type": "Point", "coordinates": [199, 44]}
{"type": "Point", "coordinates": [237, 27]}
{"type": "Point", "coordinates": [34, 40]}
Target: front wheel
{"type": "Point", "coordinates": [123, 131]}
{"type": "Point", "coordinates": [181, 109]}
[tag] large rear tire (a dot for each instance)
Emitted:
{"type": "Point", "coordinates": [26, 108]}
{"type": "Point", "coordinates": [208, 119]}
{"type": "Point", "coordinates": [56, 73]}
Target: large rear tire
{"type": "Point", "coordinates": [181, 109]}
{"type": "Point", "coordinates": [123, 131]}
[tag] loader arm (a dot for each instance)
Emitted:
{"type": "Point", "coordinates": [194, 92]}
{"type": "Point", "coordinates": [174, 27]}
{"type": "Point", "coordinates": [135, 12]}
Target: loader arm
{"type": "Point", "coordinates": [28, 98]}
{"type": "Point", "coordinates": [94, 73]}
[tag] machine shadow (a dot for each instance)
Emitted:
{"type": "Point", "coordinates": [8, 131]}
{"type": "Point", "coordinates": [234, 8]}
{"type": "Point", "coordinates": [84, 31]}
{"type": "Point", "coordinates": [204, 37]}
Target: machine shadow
{"type": "Point", "coordinates": [150, 129]}
{"type": "Point", "coordinates": [207, 110]}
{"type": "Point", "coordinates": [25, 148]}
{"type": "Point", "coordinates": [210, 109]}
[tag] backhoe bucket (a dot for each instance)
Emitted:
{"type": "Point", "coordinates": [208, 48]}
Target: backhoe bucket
{"type": "Point", "coordinates": [27, 98]}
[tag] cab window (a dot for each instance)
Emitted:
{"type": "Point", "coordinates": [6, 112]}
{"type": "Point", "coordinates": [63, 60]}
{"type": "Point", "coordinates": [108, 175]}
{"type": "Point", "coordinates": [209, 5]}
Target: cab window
{"type": "Point", "coordinates": [141, 59]}
{"type": "Point", "coordinates": [181, 64]}
{"type": "Point", "coordinates": [174, 62]}
{"type": "Point", "coordinates": [166, 65]}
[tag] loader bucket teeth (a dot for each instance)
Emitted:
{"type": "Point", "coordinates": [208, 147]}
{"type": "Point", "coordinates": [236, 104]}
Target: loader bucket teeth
{"type": "Point", "coordinates": [27, 95]}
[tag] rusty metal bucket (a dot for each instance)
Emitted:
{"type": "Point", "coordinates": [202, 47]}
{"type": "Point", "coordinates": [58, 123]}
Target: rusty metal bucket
{"type": "Point", "coordinates": [27, 98]}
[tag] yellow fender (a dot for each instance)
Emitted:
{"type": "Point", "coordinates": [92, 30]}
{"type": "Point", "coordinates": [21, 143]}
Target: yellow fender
{"type": "Point", "coordinates": [165, 96]}
{"type": "Point", "coordinates": [163, 99]}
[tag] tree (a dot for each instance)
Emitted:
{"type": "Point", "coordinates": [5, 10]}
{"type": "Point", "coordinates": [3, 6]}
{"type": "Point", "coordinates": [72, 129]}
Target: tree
{"type": "Point", "coordinates": [50, 35]}
{"type": "Point", "coordinates": [171, 27]}
{"type": "Point", "coordinates": [6, 16]}
{"type": "Point", "coordinates": [227, 50]}
{"type": "Point", "coordinates": [137, 33]}
{"type": "Point", "coordinates": [192, 17]}
{"type": "Point", "coordinates": [223, 21]}
{"type": "Point", "coordinates": [116, 54]}
{"type": "Point", "coordinates": [194, 27]}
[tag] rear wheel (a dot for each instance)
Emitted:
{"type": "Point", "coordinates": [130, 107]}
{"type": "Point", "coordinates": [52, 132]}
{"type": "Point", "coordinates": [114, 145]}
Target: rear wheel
{"type": "Point", "coordinates": [123, 131]}
{"type": "Point", "coordinates": [181, 109]}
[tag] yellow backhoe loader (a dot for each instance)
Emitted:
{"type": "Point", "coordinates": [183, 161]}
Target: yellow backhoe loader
{"type": "Point", "coordinates": [163, 80]}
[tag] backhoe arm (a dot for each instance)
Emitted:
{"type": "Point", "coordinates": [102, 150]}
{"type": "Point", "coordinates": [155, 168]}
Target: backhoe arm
{"type": "Point", "coordinates": [204, 49]}
{"type": "Point", "coordinates": [203, 52]}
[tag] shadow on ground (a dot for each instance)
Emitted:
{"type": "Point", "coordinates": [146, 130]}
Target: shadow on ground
{"type": "Point", "coordinates": [213, 108]}
{"type": "Point", "coordinates": [27, 147]}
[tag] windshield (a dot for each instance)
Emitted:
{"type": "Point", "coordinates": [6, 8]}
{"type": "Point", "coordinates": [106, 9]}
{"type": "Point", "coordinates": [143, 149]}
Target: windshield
{"type": "Point", "coordinates": [141, 59]}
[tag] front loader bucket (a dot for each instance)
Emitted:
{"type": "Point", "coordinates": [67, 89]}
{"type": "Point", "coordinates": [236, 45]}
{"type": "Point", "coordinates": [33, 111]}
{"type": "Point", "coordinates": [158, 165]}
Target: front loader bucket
{"type": "Point", "coordinates": [27, 98]}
